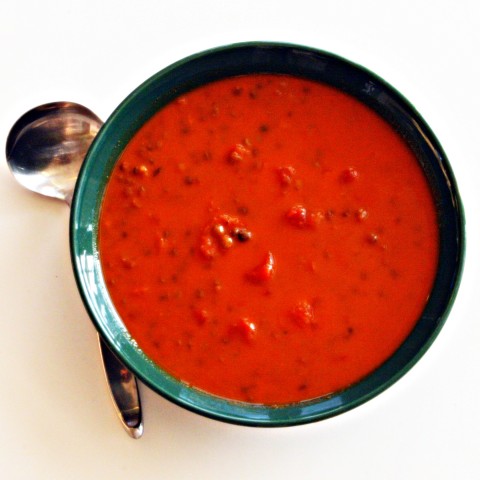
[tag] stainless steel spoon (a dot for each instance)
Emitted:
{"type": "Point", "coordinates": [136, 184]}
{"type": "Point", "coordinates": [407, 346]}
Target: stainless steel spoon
{"type": "Point", "coordinates": [45, 150]}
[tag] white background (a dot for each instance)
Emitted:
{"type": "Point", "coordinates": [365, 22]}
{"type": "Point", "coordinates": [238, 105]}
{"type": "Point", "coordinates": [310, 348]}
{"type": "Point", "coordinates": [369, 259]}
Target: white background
{"type": "Point", "coordinates": [56, 420]}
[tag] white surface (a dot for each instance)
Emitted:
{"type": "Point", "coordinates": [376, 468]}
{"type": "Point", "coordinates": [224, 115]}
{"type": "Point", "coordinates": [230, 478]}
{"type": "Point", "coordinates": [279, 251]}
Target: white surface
{"type": "Point", "coordinates": [56, 420]}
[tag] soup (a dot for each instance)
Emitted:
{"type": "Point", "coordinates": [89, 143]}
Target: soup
{"type": "Point", "coordinates": [268, 239]}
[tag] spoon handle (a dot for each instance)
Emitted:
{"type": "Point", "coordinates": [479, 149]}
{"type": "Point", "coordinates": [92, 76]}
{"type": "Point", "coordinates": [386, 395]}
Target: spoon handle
{"type": "Point", "coordinates": [45, 150]}
{"type": "Point", "coordinates": [124, 391]}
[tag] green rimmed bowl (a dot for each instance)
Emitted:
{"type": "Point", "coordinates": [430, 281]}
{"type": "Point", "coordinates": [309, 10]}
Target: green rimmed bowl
{"type": "Point", "coordinates": [215, 64]}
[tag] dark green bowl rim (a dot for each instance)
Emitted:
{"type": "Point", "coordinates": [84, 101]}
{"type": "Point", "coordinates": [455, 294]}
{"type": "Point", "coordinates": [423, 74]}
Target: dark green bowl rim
{"type": "Point", "coordinates": [264, 57]}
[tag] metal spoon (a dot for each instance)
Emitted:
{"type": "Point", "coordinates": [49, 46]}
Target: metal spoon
{"type": "Point", "coordinates": [45, 150]}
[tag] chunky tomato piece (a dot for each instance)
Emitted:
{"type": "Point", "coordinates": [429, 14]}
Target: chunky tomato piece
{"type": "Point", "coordinates": [201, 316]}
{"type": "Point", "coordinates": [349, 175]}
{"type": "Point", "coordinates": [303, 314]}
{"type": "Point", "coordinates": [263, 272]}
{"type": "Point", "coordinates": [286, 175]}
{"type": "Point", "coordinates": [297, 216]}
{"type": "Point", "coordinates": [238, 153]}
{"type": "Point", "coordinates": [245, 329]}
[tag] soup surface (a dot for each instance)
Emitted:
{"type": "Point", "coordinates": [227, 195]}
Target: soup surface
{"type": "Point", "coordinates": [268, 239]}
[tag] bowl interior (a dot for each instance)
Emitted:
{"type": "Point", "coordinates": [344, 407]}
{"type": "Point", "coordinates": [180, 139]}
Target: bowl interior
{"type": "Point", "coordinates": [202, 68]}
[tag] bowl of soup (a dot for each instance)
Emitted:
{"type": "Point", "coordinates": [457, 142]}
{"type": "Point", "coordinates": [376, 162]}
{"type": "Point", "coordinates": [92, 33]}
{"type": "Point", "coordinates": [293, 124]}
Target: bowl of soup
{"type": "Point", "coordinates": [267, 234]}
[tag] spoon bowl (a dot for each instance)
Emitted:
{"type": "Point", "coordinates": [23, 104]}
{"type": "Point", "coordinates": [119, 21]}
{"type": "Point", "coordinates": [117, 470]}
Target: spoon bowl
{"type": "Point", "coordinates": [46, 147]}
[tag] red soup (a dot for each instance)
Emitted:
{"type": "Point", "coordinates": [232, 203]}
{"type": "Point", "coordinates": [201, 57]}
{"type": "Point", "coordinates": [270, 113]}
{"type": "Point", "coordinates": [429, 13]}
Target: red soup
{"type": "Point", "coordinates": [268, 239]}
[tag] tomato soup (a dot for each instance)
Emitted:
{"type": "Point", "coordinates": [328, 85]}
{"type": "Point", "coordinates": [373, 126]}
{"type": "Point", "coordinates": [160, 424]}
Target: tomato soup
{"type": "Point", "coordinates": [268, 239]}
